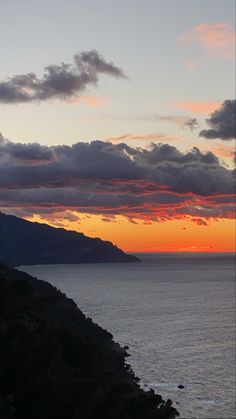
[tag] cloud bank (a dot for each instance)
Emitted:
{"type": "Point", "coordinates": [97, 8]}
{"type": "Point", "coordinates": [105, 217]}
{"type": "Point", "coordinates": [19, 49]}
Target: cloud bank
{"type": "Point", "coordinates": [222, 122]}
{"type": "Point", "coordinates": [58, 81]}
{"type": "Point", "coordinates": [159, 183]}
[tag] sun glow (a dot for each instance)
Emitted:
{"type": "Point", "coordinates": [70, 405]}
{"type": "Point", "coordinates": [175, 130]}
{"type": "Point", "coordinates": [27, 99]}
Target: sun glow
{"type": "Point", "coordinates": [181, 235]}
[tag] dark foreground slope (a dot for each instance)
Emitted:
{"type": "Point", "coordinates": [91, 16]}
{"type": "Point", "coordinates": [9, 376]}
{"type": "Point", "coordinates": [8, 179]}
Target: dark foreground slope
{"type": "Point", "coordinates": [57, 364]}
{"type": "Point", "coordinates": [26, 243]}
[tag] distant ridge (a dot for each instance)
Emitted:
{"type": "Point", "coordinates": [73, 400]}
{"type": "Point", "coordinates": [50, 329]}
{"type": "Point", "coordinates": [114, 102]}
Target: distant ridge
{"type": "Point", "coordinates": [26, 243]}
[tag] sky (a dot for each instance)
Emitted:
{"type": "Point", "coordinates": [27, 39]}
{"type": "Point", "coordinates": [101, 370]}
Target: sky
{"type": "Point", "coordinates": [117, 119]}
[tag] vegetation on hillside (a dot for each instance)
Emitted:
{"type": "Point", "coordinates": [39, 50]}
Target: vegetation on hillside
{"type": "Point", "coordinates": [57, 364]}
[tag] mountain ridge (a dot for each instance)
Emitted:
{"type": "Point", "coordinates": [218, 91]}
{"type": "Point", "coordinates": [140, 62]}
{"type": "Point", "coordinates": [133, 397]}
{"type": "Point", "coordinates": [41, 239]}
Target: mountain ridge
{"type": "Point", "coordinates": [24, 242]}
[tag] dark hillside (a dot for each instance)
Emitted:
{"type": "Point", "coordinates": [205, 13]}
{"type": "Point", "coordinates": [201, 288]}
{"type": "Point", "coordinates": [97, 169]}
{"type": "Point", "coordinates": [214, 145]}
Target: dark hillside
{"type": "Point", "coordinates": [26, 243]}
{"type": "Point", "coordinates": [57, 364]}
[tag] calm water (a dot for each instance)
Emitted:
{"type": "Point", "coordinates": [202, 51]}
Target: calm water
{"type": "Point", "coordinates": [176, 314]}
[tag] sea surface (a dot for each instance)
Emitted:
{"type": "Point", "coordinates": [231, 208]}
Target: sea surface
{"type": "Point", "coordinates": [176, 312]}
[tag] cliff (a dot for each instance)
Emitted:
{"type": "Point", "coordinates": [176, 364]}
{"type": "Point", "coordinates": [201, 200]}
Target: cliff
{"type": "Point", "coordinates": [57, 364]}
{"type": "Point", "coordinates": [26, 243]}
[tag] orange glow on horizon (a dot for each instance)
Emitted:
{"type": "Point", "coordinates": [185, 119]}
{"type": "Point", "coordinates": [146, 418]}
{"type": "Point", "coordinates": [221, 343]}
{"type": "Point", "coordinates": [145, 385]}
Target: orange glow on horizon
{"type": "Point", "coordinates": [143, 236]}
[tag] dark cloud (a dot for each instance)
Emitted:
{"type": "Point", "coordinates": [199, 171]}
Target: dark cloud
{"type": "Point", "coordinates": [32, 152]}
{"type": "Point", "coordinates": [109, 179]}
{"type": "Point", "coordinates": [199, 221]}
{"type": "Point", "coordinates": [58, 81]}
{"type": "Point", "coordinates": [191, 123]}
{"type": "Point", "coordinates": [222, 122]}
{"type": "Point", "coordinates": [83, 163]}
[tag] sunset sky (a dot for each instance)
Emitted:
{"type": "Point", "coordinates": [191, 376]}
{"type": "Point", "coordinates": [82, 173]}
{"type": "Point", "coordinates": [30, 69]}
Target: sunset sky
{"type": "Point", "coordinates": [117, 119]}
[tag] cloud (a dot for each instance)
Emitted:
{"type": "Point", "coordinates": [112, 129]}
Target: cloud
{"type": "Point", "coordinates": [203, 108]}
{"type": "Point", "coordinates": [152, 117]}
{"type": "Point", "coordinates": [109, 219]}
{"type": "Point", "coordinates": [217, 40]}
{"type": "Point", "coordinates": [181, 120]}
{"type": "Point", "coordinates": [225, 151]}
{"type": "Point", "coordinates": [222, 122]}
{"type": "Point", "coordinates": [191, 123]}
{"type": "Point", "coordinates": [199, 221]}
{"type": "Point", "coordinates": [58, 81]}
{"type": "Point", "coordinates": [141, 137]}
{"type": "Point", "coordinates": [31, 153]}
{"type": "Point", "coordinates": [157, 183]}
{"type": "Point", "coordinates": [90, 101]}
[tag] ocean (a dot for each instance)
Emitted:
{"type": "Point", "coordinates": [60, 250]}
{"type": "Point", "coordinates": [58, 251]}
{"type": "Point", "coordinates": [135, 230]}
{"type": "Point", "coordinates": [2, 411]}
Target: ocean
{"type": "Point", "coordinates": [175, 312]}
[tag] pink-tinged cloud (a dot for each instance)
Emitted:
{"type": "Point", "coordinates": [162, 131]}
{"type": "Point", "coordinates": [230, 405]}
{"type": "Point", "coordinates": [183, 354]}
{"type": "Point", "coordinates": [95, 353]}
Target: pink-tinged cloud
{"type": "Point", "coordinates": [159, 137]}
{"type": "Point", "coordinates": [93, 101]}
{"type": "Point", "coordinates": [216, 39]}
{"type": "Point", "coordinates": [202, 108]}
{"type": "Point", "coordinates": [227, 152]}
{"type": "Point", "coordinates": [159, 207]}
{"type": "Point", "coordinates": [90, 101]}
